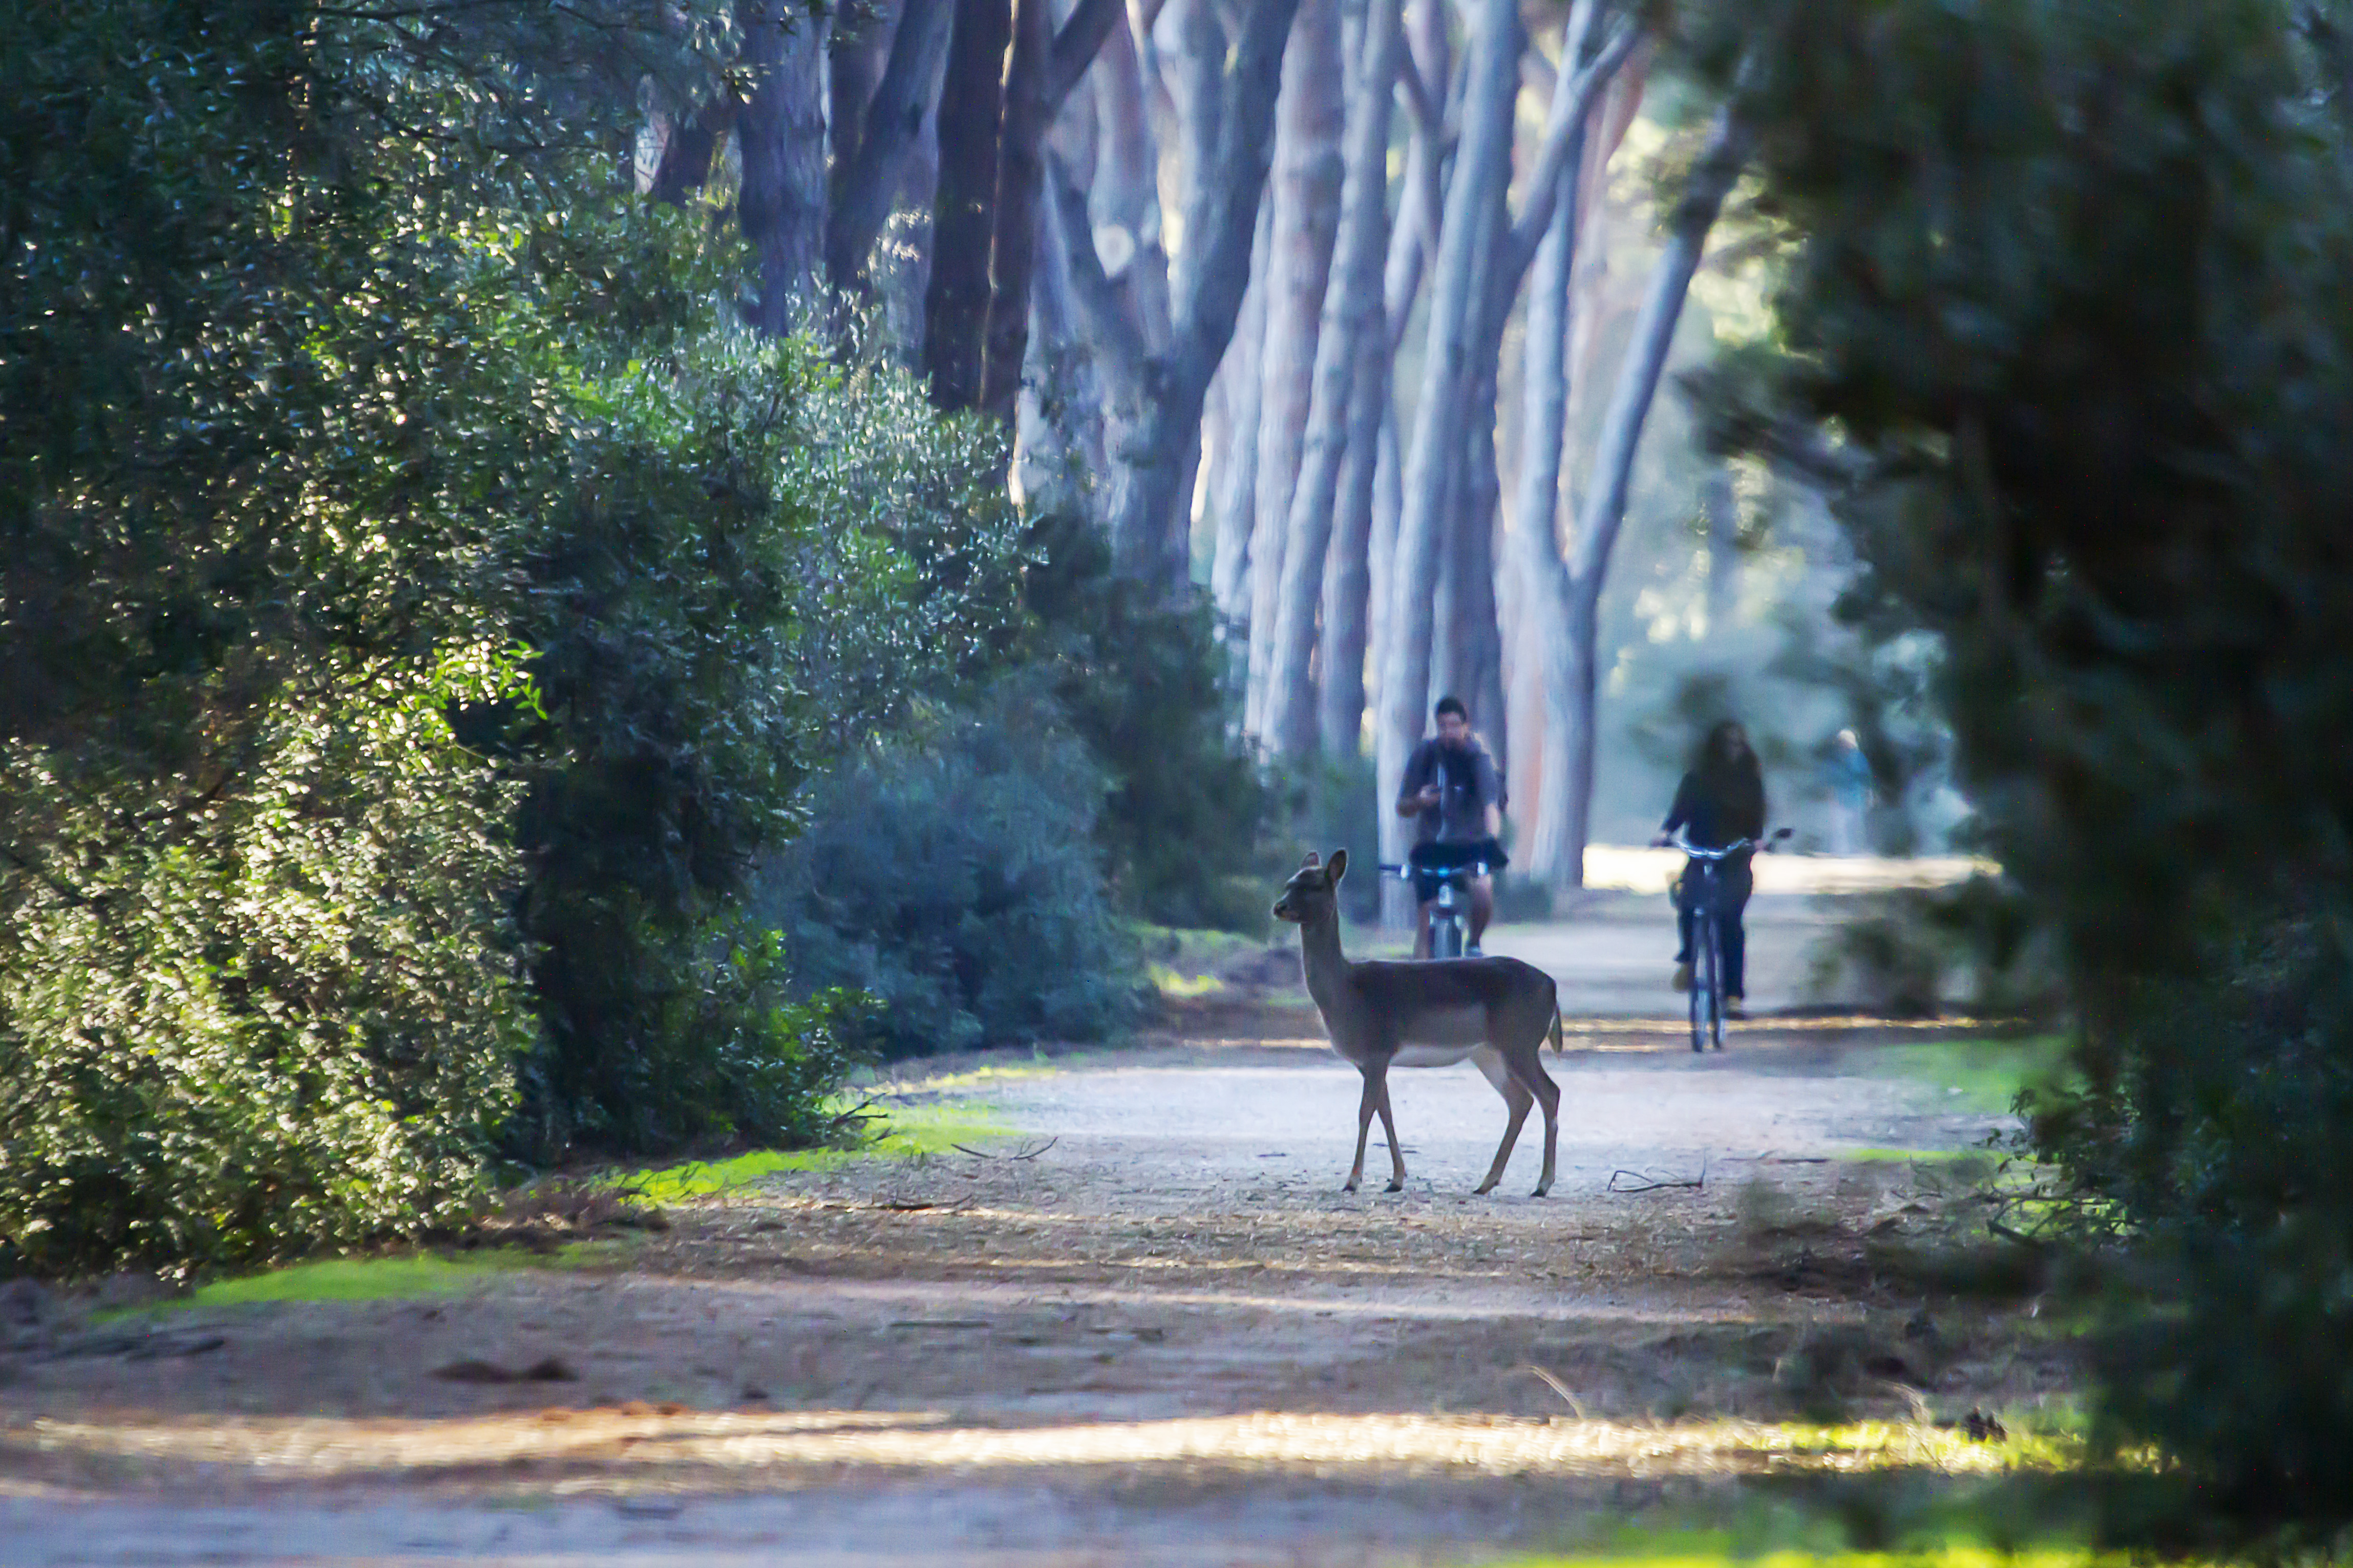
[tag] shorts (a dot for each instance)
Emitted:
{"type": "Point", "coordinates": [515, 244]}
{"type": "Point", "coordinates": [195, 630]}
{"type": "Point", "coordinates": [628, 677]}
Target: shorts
{"type": "Point", "coordinates": [1433, 862]}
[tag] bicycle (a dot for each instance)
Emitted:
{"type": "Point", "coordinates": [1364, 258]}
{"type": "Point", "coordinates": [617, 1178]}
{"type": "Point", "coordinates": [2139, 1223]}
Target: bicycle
{"type": "Point", "coordinates": [1449, 917]}
{"type": "Point", "coordinates": [1707, 940]}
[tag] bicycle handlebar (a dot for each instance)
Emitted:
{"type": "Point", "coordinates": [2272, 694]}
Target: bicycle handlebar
{"type": "Point", "coordinates": [1728, 850]}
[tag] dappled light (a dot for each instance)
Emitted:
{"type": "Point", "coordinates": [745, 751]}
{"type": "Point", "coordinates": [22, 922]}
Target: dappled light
{"type": "Point", "coordinates": [645, 1447]}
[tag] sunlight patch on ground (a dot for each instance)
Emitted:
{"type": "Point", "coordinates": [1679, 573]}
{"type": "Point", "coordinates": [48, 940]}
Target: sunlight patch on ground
{"type": "Point", "coordinates": [1730, 1555]}
{"type": "Point", "coordinates": [645, 1442]}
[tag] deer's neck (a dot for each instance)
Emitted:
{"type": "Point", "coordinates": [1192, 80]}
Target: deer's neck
{"type": "Point", "coordinates": [1321, 960]}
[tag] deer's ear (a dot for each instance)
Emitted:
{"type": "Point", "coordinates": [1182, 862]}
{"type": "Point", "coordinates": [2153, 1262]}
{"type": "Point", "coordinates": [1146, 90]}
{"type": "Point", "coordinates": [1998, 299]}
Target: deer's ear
{"type": "Point", "coordinates": [1338, 868]}
{"type": "Point", "coordinates": [1310, 863]}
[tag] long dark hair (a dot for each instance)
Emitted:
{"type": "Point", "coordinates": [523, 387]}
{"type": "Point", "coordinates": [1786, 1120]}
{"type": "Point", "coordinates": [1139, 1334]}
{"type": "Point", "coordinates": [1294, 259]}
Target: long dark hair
{"type": "Point", "coordinates": [1735, 785]}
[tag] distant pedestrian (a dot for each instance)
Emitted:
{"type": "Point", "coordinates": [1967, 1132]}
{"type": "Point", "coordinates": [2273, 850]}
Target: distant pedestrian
{"type": "Point", "coordinates": [1847, 771]}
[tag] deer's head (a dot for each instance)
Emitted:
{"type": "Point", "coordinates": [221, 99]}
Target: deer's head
{"type": "Point", "coordinates": [1309, 895]}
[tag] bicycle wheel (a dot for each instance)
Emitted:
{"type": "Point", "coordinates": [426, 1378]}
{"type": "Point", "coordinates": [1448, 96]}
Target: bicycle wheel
{"type": "Point", "coordinates": [1702, 929]}
{"type": "Point", "coordinates": [1446, 936]}
{"type": "Point", "coordinates": [1716, 983]}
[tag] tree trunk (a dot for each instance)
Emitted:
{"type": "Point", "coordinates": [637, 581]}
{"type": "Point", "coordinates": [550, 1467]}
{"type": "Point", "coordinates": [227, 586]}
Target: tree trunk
{"type": "Point", "coordinates": [955, 306]}
{"type": "Point", "coordinates": [861, 49]}
{"type": "Point", "coordinates": [1621, 432]}
{"type": "Point", "coordinates": [1347, 570]}
{"type": "Point", "coordinates": [1013, 235]}
{"type": "Point", "coordinates": [688, 147]}
{"type": "Point", "coordinates": [1388, 505]}
{"type": "Point", "coordinates": [1473, 635]}
{"type": "Point", "coordinates": [1352, 335]}
{"type": "Point", "coordinates": [1306, 192]}
{"type": "Point", "coordinates": [1482, 166]}
{"type": "Point", "coordinates": [1236, 489]}
{"type": "Point", "coordinates": [866, 185]}
{"type": "Point", "coordinates": [1147, 533]}
{"type": "Point", "coordinates": [1124, 200]}
{"type": "Point", "coordinates": [781, 130]}
{"type": "Point", "coordinates": [1547, 646]}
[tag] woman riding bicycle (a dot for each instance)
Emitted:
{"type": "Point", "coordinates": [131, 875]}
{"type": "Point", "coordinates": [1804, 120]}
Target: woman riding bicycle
{"type": "Point", "coordinates": [1720, 801]}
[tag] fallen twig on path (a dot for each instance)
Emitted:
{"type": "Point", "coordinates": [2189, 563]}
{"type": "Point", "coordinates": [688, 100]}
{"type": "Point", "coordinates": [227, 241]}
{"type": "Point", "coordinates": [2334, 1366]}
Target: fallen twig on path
{"type": "Point", "coordinates": [1653, 1183]}
{"type": "Point", "coordinates": [1557, 1388]}
{"type": "Point", "coordinates": [1024, 1152]}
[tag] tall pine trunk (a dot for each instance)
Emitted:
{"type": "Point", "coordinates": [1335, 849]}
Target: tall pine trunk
{"type": "Point", "coordinates": [1482, 168]}
{"type": "Point", "coordinates": [1234, 486]}
{"type": "Point", "coordinates": [1351, 339]}
{"type": "Point", "coordinates": [1147, 525]}
{"type": "Point", "coordinates": [955, 305]}
{"type": "Point", "coordinates": [1305, 193]}
{"type": "Point", "coordinates": [867, 185]}
{"type": "Point", "coordinates": [782, 135]}
{"type": "Point", "coordinates": [1013, 228]}
{"type": "Point", "coordinates": [1604, 512]}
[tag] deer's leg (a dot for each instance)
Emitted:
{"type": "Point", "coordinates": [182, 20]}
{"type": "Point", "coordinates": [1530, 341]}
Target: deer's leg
{"type": "Point", "coordinates": [1389, 1129]}
{"type": "Point", "coordinates": [1516, 1100]}
{"type": "Point", "coordinates": [1375, 1097]}
{"type": "Point", "coordinates": [1547, 1094]}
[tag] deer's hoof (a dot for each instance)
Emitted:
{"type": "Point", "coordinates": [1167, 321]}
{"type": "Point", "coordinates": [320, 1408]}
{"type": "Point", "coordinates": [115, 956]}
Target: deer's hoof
{"type": "Point", "coordinates": [1394, 1187]}
{"type": "Point", "coordinates": [1480, 1192]}
{"type": "Point", "coordinates": [1540, 1192]}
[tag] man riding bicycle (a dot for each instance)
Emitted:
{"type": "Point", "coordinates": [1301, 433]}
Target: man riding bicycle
{"type": "Point", "coordinates": [1452, 791]}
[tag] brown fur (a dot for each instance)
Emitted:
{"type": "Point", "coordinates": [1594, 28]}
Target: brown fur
{"type": "Point", "coordinates": [1495, 1012]}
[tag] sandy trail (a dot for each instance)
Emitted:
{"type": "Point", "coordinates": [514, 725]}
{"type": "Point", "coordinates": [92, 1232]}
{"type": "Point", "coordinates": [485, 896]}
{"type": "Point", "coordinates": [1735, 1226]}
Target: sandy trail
{"type": "Point", "coordinates": [1167, 1338]}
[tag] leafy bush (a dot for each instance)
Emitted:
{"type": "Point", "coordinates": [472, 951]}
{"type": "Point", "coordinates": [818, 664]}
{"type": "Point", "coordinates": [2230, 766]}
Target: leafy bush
{"type": "Point", "coordinates": [290, 1021]}
{"type": "Point", "coordinates": [953, 876]}
{"type": "Point", "coordinates": [330, 362]}
{"type": "Point", "coordinates": [763, 560]}
{"type": "Point", "coordinates": [1138, 678]}
{"type": "Point", "coordinates": [1919, 951]}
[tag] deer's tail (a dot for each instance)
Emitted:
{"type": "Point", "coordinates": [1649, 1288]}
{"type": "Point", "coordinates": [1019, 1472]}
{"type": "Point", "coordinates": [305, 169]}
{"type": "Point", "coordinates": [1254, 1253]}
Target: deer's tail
{"type": "Point", "coordinates": [1556, 1045]}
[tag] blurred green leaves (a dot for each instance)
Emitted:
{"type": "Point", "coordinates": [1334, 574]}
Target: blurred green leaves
{"type": "Point", "coordinates": [2065, 325]}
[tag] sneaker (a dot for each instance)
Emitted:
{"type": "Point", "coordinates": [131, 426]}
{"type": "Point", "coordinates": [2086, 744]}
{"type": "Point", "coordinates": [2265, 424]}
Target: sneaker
{"type": "Point", "coordinates": [1472, 951]}
{"type": "Point", "coordinates": [1682, 982]}
{"type": "Point", "coordinates": [1736, 1007]}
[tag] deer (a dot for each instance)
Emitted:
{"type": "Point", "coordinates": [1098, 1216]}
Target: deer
{"type": "Point", "coordinates": [1497, 1012]}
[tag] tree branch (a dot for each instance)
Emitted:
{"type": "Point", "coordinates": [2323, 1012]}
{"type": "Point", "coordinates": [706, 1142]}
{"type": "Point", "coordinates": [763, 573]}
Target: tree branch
{"type": "Point", "coordinates": [1569, 110]}
{"type": "Point", "coordinates": [1425, 111]}
{"type": "Point", "coordinates": [1076, 45]}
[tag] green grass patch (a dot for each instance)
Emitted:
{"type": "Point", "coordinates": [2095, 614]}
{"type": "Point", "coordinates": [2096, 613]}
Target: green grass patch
{"type": "Point", "coordinates": [907, 1130]}
{"type": "Point", "coordinates": [399, 1276]}
{"type": "Point", "coordinates": [1908, 1156]}
{"type": "Point", "coordinates": [1173, 983]}
{"type": "Point", "coordinates": [1974, 1077]}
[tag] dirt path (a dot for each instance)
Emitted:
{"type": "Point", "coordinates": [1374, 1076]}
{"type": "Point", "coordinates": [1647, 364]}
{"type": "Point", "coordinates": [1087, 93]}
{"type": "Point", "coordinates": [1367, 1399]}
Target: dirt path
{"type": "Point", "coordinates": [1163, 1337]}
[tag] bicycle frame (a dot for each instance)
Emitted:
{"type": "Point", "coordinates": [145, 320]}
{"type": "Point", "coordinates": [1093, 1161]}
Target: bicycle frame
{"type": "Point", "coordinates": [1450, 919]}
{"type": "Point", "coordinates": [1707, 936]}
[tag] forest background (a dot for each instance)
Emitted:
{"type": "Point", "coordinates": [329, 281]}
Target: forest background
{"type": "Point", "coordinates": [572, 570]}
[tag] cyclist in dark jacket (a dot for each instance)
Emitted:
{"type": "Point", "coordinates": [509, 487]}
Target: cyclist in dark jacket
{"type": "Point", "coordinates": [1720, 800]}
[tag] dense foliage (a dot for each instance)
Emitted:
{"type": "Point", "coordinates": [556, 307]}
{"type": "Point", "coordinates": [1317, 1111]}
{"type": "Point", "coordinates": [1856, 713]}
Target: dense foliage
{"type": "Point", "coordinates": [1138, 677]}
{"type": "Point", "coordinates": [2067, 278]}
{"type": "Point", "coordinates": [419, 604]}
{"type": "Point", "coordinates": [955, 877]}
